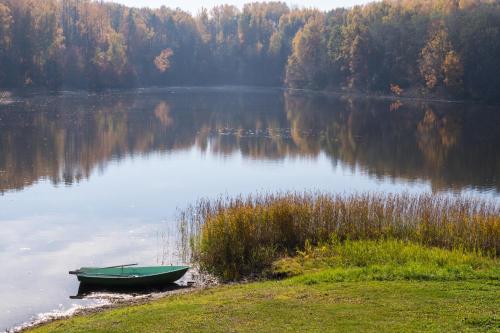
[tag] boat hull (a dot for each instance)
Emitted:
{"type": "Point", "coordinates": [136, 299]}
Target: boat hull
{"type": "Point", "coordinates": [132, 281]}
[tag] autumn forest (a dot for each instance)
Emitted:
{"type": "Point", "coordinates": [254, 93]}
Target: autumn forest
{"type": "Point", "coordinates": [431, 48]}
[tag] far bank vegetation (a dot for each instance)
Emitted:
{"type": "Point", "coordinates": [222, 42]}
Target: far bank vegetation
{"type": "Point", "coordinates": [437, 48]}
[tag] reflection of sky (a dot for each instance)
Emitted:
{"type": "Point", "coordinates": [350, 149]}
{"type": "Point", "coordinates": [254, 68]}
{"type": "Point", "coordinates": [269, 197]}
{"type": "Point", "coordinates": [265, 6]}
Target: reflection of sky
{"type": "Point", "coordinates": [158, 184]}
{"type": "Point", "coordinates": [116, 216]}
{"type": "Point", "coordinates": [38, 279]}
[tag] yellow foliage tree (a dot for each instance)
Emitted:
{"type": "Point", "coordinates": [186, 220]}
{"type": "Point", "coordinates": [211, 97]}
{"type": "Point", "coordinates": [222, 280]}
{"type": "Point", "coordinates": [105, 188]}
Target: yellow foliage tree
{"type": "Point", "coordinates": [453, 70]}
{"type": "Point", "coordinates": [162, 61]}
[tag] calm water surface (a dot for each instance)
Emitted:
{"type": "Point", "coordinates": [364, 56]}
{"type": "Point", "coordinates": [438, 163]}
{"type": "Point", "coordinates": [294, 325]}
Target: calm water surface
{"type": "Point", "coordinates": [97, 179]}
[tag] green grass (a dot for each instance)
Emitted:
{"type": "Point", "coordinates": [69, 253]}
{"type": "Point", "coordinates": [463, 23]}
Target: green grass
{"type": "Point", "coordinates": [384, 260]}
{"type": "Point", "coordinates": [327, 293]}
{"type": "Point", "coordinates": [374, 306]}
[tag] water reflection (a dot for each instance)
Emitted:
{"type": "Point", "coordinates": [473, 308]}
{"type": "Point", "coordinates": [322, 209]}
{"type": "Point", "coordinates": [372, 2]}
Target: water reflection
{"type": "Point", "coordinates": [64, 138]}
{"type": "Point", "coordinates": [451, 145]}
{"type": "Point", "coordinates": [124, 294]}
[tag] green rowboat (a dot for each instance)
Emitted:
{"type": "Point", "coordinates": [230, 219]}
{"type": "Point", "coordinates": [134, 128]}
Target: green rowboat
{"type": "Point", "coordinates": [126, 276]}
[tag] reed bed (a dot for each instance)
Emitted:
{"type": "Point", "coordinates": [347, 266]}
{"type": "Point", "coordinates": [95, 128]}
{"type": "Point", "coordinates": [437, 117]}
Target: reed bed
{"type": "Point", "coordinates": [237, 237]}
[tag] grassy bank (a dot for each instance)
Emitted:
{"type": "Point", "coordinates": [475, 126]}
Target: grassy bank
{"type": "Point", "coordinates": [240, 237]}
{"type": "Point", "coordinates": [355, 286]}
{"type": "Point", "coordinates": [384, 261]}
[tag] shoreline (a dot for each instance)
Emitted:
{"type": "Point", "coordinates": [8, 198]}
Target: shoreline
{"type": "Point", "coordinates": [115, 300]}
{"type": "Point", "coordinates": [111, 303]}
{"type": "Point", "coordinates": [6, 94]}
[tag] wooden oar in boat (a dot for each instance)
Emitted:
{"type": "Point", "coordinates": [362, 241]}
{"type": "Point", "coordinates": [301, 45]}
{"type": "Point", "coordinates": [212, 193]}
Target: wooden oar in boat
{"type": "Point", "coordinates": [117, 266]}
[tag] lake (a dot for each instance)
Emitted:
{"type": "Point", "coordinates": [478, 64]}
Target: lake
{"type": "Point", "coordinates": [97, 179]}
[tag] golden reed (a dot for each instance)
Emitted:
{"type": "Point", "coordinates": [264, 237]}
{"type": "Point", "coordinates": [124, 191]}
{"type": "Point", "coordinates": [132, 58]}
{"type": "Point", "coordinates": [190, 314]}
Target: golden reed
{"type": "Point", "coordinates": [234, 237]}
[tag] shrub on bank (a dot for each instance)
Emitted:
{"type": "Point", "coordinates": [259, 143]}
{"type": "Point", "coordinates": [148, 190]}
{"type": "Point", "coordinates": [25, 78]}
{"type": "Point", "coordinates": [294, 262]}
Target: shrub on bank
{"type": "Point", "coordinates": [237, 237]}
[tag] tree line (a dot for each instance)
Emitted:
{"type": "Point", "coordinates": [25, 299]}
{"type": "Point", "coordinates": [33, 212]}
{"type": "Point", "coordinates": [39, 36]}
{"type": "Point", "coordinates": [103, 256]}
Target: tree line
{"type": "Point", "coordinates": [444, 48]}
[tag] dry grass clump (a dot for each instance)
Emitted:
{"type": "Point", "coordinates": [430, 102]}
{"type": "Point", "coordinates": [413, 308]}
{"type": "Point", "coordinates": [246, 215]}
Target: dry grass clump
{"type": "Point", "coordinates": [237, 237]}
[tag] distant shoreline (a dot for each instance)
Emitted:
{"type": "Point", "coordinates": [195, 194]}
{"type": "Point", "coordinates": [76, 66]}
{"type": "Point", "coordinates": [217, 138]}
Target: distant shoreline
{"type": "Point", "coordinates": [7, 94]}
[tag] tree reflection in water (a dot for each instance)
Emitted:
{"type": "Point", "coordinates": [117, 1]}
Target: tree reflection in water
{"type": "Point", "coordinates": [64, 138]}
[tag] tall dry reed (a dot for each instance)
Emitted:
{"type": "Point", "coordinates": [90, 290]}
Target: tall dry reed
{"type": "Point", "coordinates": [236, 237]}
